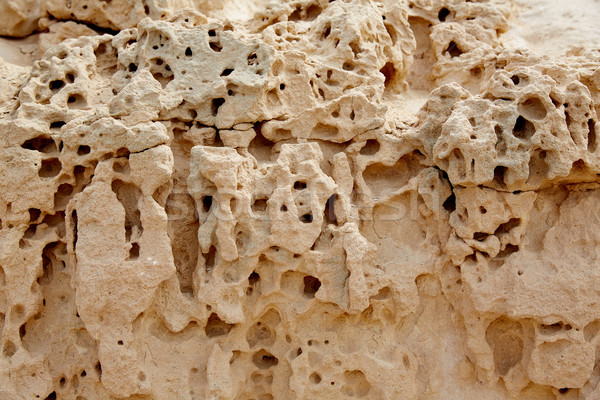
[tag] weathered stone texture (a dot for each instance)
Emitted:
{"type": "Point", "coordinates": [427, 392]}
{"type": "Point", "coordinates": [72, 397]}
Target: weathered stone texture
{"type": "Point", "coordinates": [194, 206]}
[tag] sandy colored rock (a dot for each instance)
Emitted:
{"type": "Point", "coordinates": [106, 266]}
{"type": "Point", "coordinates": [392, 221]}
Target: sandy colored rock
{"type": "Point", "coordinates": [301, 199]}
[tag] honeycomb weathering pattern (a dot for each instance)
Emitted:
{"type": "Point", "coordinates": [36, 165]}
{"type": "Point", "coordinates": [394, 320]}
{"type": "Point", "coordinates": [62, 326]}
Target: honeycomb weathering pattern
{"type": "Point", "coordinates": [195, 207]}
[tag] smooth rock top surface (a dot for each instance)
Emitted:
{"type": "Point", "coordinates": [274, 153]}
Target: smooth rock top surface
{"type": "Point", "coordinates": [300, 199]}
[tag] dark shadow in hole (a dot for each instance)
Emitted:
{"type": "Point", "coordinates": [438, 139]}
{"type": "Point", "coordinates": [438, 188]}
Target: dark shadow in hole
{"type": "Point", "coordinates": [311, 286]}
{"type": "Point", "coordinates": [453, 50]}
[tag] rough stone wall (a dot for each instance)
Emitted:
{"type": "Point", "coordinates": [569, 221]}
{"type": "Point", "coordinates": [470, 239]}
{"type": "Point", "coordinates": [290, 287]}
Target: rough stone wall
{"type": "Point", "coordinates": [306, 199]}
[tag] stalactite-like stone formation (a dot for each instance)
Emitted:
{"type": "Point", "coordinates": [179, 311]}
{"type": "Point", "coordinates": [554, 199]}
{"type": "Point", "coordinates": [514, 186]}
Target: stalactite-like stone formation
{"type": "Point", "coordinates": [306, 199]}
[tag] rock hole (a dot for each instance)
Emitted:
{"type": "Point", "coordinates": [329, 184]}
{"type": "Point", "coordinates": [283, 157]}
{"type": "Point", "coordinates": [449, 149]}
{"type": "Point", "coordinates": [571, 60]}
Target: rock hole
{"type": "Point", "coordinates": [128, 195]}
{"type": "Point", "coordinates": [216, 327]}
{"type": "Point", "coordinates": [356, 50]}
{"type": "Point", "coordinates": [323, 131]}
{"type": "Point", "coordinates": [254, 278]}
{"type": "Point", "coordinates": [533, 108]}
{"type": "Point", "coordinates": [252, 59]}
{"type": "Point", "coordinates": [56, 85]}
{"type": "Point", "coordinates": [476, 72]}
{"type": "Point", "coordinates": [371, 147]}
{"type": "Point", "coordinates": [121, 166]}
{"type": "Point", "coordinates": [50, 168]}
{"type": "Point", "coordinates": [233, 205]}
{"type": "Point", "coordinates": [74, 219]}
{"type": "Point", "coordinates": [295, 15]}
{"type": "Point", "coordinates": [134, 252]}
{"type": "Point", "coordinates": [591, 135]}
{"type": "Point", "coordinates": [551, 329]}
{"type": "Point", "coordinates": [264, 360]}
{"type": "Point", "coordinates": [162, 79]}
{"type": "Point", "coordinates": [515, 79]}
{"type": "Point", "coordinates": [258, 333]}
{"type": "Point", "coordinates": [498, 130]}
{"type": "Point", "coordinates": [259, 205]}
{"type": "Point", "coordinates": [348, 66]}
{"type": "Point", "coordinates": [63, 195]}
{"type": "Point", "coordinates": [34, 214]}
{"type": "Point", "coordinates": [505, 338]}
{"type": "Point", "coordinates": [306, 218]}
{"type": "Point", "coordinates": [299, 185]}
{"type": "Point", "coordinates": [132, 67]}
{"type": "Point", "coordinates": [523, 128]}
{"type": "Point", "coordinates": [355, 384]}
{"type": "Point", "coordinates": [453, 50]}
{"type": "Point", "coordinates": [9, 349]}
{"type": "Point", "coordinates": [210, 259]}
{"type": "Point", "coordinates": [480, 236]}
{"type": "Point", "coordinates": [216, 46]}
{"type": "Point", "coordinates": [28, 234]}
{"type": "Point", "coordinates": [444, 12]}
{"type": "Point", "coordinates": [450, 203]}
{"type": "Point", "coordinates": [188, 52]}
{"type": "Point", "coordinates": [330, 217]}
{"type": "Point", "coordinates": [51, 396]}
{"type": "Point", "coordinates": [83, 150]}
{"type": "Point", "coordinates": [283, 208]}
{"type": "Point", "coordinates": [43, 144]}
{"type": "Point", "coordinates": [499, 173]}
{"type": "Point", "coordinates": [227, 72]}
{"type": "Point", "coordinates": [216, 104]}
{"type": "Point", "coordinates": [57, 124]}
{"type": "Point", "coordinates": [508, 250]}
{"type": "Point", "coordinates": [76, 101]}
{"type": "Point", "coordinates": [314, 378]}
{"type": "Point", "coordinates": [507, 226]}
{"type": "Point", "coordinates": [312, 12]}
{"type": "Point", "coordinates": [311, 286]}
{"type": "Point", "coordinates": [207, 203]}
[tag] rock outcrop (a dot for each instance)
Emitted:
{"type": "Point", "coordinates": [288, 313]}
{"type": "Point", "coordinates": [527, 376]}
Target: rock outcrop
{"type": "Point", "coordinates": [373, 199]}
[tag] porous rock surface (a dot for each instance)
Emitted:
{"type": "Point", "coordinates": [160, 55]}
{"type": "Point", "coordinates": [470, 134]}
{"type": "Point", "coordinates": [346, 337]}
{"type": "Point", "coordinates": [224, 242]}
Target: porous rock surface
{"type": "Point", "coordinates": [342, 199]}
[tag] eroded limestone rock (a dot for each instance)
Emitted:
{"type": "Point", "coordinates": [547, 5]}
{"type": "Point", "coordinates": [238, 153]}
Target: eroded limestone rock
{"type": "Point", "coordinates": [194, 206]}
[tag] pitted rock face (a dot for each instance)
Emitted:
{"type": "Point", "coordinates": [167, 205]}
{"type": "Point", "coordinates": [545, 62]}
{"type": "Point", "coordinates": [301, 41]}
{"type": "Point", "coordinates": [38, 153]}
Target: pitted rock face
{"type": "Point", "coordinates": [332, 199]}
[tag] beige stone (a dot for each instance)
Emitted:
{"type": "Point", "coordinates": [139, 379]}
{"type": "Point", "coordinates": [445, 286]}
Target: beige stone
{"type": "Point", "coordinates": [301, 199]}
